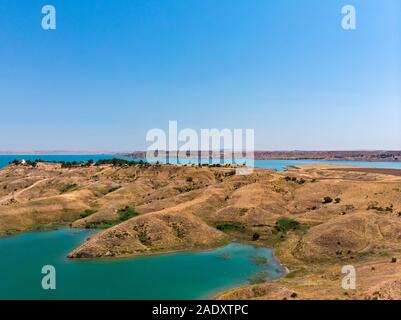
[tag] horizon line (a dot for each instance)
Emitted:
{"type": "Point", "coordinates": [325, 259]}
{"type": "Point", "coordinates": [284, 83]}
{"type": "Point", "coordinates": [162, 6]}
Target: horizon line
{"type": "Point", "coordinates": [104, 152]}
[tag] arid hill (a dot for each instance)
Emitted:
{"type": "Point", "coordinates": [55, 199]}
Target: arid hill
{"type": "Point", "coordinates": [318, 218]}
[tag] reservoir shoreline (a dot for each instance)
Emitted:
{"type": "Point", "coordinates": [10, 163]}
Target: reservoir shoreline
{"type": "Point", "coordinates": [240, 261]}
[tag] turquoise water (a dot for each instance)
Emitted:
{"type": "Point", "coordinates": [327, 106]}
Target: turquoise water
{"type": "Point", "coordinates": [269, 164]}
{"type": "Point", "coordinates": [282, 164]}
{"type": "Point", "coordinates": [188, 275]}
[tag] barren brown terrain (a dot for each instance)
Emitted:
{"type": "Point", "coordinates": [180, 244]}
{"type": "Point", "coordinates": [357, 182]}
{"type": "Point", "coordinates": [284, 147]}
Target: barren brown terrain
{"type": "Point", "coordinates": [317, 219]}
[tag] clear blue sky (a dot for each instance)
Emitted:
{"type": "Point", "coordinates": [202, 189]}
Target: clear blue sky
{"type": "Point", "coordinates": [114, 69]}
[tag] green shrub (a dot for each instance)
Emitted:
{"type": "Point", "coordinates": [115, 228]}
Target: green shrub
{"type": "Point", "coordinates": [285, 224]}
{"type": "Point", "coordinates": [127, 213]}
{"type": "Point", "coordinates": [294, 179]}
{"type": "Point", "coordinates": [113, 189]}
{"type": "Point", "coordinates": [327, 200]}
{"type": "Point", "coordinates": [104, 224]}
{"type": "Point", "coordinates": [230, 226]}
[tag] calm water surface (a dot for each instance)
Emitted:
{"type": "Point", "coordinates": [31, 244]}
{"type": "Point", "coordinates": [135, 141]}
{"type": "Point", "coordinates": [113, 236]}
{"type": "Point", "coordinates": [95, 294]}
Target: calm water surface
{"type": "Point", "coordinates": [187, 275]}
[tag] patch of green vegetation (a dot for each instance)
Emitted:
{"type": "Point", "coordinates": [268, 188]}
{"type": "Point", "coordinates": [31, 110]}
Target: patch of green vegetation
{"type": "Point", "coordinates": [115, 162]}
{"type": "Point", "coordinates": [230, 226]}
{"type": "Point", "coordinates": [126, 213]}
{"type": "Point", "coordinates": [375, 206]}
{"type": "Point", "coordinates": [75, 164]}
{"type": "Point", "coordinates": [294, 179]}
{"type": "Point", "coordinates": [285, 224]}
{"type": "Point", "coordinates": [29, 163]}
{"type": "Point", "coordinates": [103, 224]}
{"type": "Point", "coordinates": [123, 215]}
{"type": "Point", "coordinates": [337, 200]}
{"type": "Point", "coordinates": [255, 236]}
{"type": "Point", "coordinates": [82, 164]}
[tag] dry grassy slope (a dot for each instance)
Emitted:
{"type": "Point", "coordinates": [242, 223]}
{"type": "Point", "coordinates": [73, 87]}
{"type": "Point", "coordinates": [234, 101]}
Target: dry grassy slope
{"type": "Point", "coordinates": [377, 278]}
{"type": "Point", "coordinates": [180, 206]}
{"type": "Point", "coordinates": [346, 233]}
{"type": "Point", "coordinates": [47, 195]}
{"type": "Point", "coordinates": [151, 233]}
